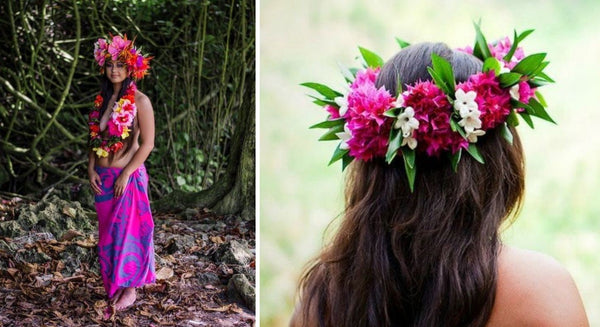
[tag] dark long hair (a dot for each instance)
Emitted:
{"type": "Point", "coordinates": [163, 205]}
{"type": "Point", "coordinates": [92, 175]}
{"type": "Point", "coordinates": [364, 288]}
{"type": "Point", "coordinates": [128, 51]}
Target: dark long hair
{"type": "Point", "coordinates": [106, 91]}
{"type": "Point", "coordinates": [427, 258]}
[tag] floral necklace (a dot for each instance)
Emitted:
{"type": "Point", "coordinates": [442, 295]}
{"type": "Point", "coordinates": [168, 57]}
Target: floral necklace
{"type": "Point", "coordinates": [118, 124]}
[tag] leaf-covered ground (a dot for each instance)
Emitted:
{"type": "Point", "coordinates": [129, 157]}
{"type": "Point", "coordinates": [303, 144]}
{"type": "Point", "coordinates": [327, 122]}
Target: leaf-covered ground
{"type": "Point", "coordinates": [191, 287]}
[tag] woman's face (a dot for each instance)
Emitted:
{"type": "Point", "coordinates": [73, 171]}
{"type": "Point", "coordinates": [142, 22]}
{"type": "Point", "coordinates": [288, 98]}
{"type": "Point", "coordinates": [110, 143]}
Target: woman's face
{"type": "Point", "coordinates": [116, 71]}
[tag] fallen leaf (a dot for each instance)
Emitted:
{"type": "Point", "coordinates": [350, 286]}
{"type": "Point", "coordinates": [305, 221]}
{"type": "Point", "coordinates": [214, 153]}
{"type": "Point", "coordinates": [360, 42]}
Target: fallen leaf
{"type": "Point", "coordinates": [71, 212]}
{"type": "Point", "coordinates": [164, 273]}
{"type": "Point", "coordinates": [217, 239]}
{"type": "Point", "coordinates": [70, 234]}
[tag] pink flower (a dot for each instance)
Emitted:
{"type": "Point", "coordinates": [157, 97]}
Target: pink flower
{"type": "Point", "coordinates": [114, 129]}
{"type": "Point", "coordinates": [367, 124]}
{"type": "Point", "coordinates": [333, 111]}
{"type": "Point", "coordinates": [501, 49]}
{"type": "Point", "coordinates": [100, 51]}
{"type": "Point", "coordinates": [94, 114]}
{"type": "Point", "coordinates": [117, 45]}
{"type": "Point", "coordinates": [525, 92]}
{"type": "Point", "coordinates": [467, 49]}
{"type": "Point", "coordinates": [123, 118]}
{"type": "Point", "coordinates": [492, 100]}
{"type": "Point", "coordinates": [432, 110]}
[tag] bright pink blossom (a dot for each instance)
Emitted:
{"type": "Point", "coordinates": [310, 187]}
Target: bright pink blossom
{"type": "Point", "coordinates": [368, 126]}
{"type": "Point", "coordinates": [432, 110]}
{"type": "Point", "coordinates": [124, 117]}
{"type": "Point", "coordinates": [492, 100]}
{"type": "Point", "coordinates": [501, 49]}
{"type": "Point", "coordinates": [117, 45]}
{"type": "Point", "coordinates": [100, 49]}
{"type": "Point", "coordinates": [525, 92]}
{"type": "Point", "coordinates": [114, 129]}
{"type": "Point", "coordinates": [333, 111]}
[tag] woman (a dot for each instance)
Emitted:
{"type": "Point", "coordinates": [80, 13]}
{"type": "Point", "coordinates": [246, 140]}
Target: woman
{"type": "Point", "coordinates": [420, 246]}
{"type": "Point", "coordinates": [122, 116]}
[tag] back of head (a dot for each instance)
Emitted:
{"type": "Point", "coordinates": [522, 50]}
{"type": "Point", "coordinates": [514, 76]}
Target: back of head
{"type": "Point", "coordinates": [422, 258]}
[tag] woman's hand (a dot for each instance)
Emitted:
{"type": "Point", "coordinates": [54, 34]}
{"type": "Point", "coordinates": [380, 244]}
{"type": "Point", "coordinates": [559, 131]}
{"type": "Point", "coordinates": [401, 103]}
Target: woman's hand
{"type": "Point", "coordinates": [95, 182]}
{"type": "Point", "coordinates": [121, 183]}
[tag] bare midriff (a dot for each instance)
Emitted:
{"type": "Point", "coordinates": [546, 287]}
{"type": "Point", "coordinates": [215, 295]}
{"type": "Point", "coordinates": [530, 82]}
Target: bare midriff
{"type": "Point", "coordinates": [120, 160]}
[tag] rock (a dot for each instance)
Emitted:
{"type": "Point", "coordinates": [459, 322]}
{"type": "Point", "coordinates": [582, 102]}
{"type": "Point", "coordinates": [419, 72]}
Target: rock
{"type": "Point", "coordinates": [191, 213]}
{"type": "Point", "coordinates": [52, 215]}
{"type": "Point", "coordinates": [73, 256]}
{"type": "Point", "coordinates": [179, 243]}
{"type": "Point", "coordinates": [209, 278]}
{"type": "Point", "coordinates": [234, 252]}
{"type": "Point", "coordinates": [239, 287]}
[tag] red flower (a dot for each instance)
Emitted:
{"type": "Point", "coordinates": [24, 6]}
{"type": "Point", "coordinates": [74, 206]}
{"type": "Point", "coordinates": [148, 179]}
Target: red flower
{"type": "Point", "coordinates": [98, 101]}
{"type": "Point", "coordinates": [94, 128]}
{"type": "Point", "coordinates": [116, 147]}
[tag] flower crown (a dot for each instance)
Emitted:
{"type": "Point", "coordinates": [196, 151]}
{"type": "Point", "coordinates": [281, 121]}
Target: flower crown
{"type": "Point", "coordinates": [121, 49]}
{"type": "Point", "coordinates": [438, 116]}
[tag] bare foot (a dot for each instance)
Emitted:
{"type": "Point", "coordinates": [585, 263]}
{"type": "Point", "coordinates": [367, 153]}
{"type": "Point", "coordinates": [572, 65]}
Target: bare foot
{"type": "Point", "coordinates": [126, 300]}
{"type": "Point", "coordinates": [116, 297]}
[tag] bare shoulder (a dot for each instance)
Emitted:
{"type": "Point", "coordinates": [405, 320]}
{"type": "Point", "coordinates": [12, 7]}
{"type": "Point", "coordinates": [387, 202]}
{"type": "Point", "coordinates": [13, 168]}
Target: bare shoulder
{"type": "Point", "coordinates": [535, 290]}
{"type": "Point", "coordinates": [142, 101]}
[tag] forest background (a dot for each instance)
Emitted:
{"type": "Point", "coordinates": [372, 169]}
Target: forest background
{"type": "Point", "coordinates": [301, 196]}
{"type": "Point", "coordinates": [201, 85]}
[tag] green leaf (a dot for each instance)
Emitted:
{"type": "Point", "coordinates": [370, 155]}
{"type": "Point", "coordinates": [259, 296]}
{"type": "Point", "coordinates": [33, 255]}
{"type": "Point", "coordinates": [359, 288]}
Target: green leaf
{"type": "Point", "coordinates": [512, 119]}
{"type": "Point", "coordinates": [539, 69]}
{"type": "Point", "coordinates": [457, 128]}
{"type": "Point", "coordinates": [330, 135]}
{"type": "Point", "coordinates": [323, 102]}
{"type": "Point", "coordinates": [403, 44]}
{"type": "Point", "coordinates": [513, 48]}
{"type": "Point", "coordinates": [545, 77]}
{"type": "Point", "coordinates": [346, 160]}
{"type": "Point", "coordinates": [394, 144]}
{"type": "Point", "coordinates": [509, 79]}
{"type": "Point", "coordinates": [516, 41]}
{"type": "Point", "coordinates": [529, 64]}
{"type": "Point", "coordinates": [455, 158]}
{"type": "Point", "coordinates": [338, 154]}
{"type": "Point", "coordinates": [437, 79]}
{"type": "Point", "coordinates": [409, 156]}
{"type": "Point", "coordinates": [394, 112]}
{"type": "Point", "coordinates": [539, 111]}
{"type": "Point", "coordinates": [491, 63]}
{"type": "Point", "coordinates": [409, 167]}
{"type": "Point", "coordinates": [481, 49]}
{"type": "Point", "coordinates": [537, 82]}
{"type": "Point", "coordinates": [474, 152]}
{"type": "Point", "coordinates": [329, 123]}
{"type": "Point", "coordinates": [527, 118]}
{"type": "Point", "coordinates": [444, 70]}
{"type": "Point", "coordinates": [324, 90]}
{"type": "Point", "coordinates": [372, 59]}
{"type": "Point", "coordinates": [540, 98]}
{"type": "Point", "coordinates": [506, 133]}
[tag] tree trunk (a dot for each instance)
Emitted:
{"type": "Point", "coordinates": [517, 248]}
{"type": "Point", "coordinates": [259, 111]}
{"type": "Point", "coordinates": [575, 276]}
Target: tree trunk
{"type": "Point", "coordinates": [234, 192]}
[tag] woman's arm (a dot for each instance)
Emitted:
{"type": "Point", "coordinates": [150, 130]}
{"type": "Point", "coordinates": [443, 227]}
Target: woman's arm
{"type": "Point", "coordinates": [95, 180]}
{"type": "Point", "coordinates": [145, 116]}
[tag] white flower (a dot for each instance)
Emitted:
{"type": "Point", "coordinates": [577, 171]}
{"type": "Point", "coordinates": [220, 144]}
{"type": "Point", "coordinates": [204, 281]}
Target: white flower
{"type": "Point", "coordinates": [470, 122]}
{"type": "Point", "coordinates": [407, 121]}
{"type": "Point", "coordinates": [345, 136]}
{"type": "Point", "coordinates": [514, 92]}
{"type": "Point", "coordinates": [411, 141]}
{"type": "Point", "coordinates": [472, 136]}
{"type": "Point", "coordinates": [504, 69]}
{"type": "Point", "coordinates": [342, 102]}
{"type": "Point", "coordinates": [465, 102]}
{"type": "Point", "coordinates": [399, 103]}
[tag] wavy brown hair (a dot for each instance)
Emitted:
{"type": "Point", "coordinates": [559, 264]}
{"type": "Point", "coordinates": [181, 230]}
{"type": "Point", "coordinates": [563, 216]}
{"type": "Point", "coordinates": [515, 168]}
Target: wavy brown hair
{"type": "Point", "coordinates": [427, 258]}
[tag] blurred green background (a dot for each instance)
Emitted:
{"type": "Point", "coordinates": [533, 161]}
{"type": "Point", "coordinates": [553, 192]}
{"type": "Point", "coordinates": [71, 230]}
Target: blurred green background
{"type": "Point", "coordinates": [300, 195]}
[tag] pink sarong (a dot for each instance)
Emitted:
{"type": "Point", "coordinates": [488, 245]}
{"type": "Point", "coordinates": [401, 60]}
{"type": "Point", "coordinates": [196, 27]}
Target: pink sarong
{"type": "Point", "coordinates": [125, 229]}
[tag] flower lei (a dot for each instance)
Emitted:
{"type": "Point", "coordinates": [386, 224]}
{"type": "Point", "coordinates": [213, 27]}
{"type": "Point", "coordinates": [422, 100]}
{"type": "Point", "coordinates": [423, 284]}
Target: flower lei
{"type": "Point", "coordinates": [121, 118]}
{"type": "Point", "coordinates": [119, 48]}
{"type": "Point", "coordinates": [437, 116]}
